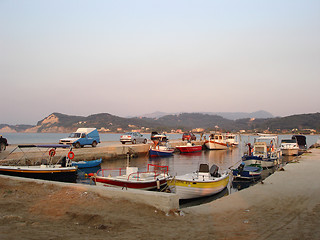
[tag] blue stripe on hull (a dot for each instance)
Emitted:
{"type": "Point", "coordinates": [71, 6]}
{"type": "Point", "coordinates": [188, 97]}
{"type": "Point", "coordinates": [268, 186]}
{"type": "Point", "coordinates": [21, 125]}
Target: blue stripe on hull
{"type": "Point", "coordinates": [153, 153]}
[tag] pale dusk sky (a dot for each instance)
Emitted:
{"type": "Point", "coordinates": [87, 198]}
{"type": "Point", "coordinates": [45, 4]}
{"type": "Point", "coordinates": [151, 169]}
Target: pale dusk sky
{"type": "Point", "coordinates": [134, 57]}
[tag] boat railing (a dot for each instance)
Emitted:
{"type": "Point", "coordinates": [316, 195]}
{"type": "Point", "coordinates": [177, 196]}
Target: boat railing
{"type": "Point", "coordinates": [165, 168]}
{"type": "Point", "coordinates": [148, 174]}
{"type": "Point", "coordinates": [157, 170]}
{"type": "Point", "coordinates": [105, 172]}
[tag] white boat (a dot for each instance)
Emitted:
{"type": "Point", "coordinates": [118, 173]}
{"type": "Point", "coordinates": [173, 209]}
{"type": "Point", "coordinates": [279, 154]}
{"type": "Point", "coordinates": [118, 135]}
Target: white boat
{"type": "Point", "coordinates": [155, 177]}
{"type": "Point", "coordinates": [220, 141]}
{"type": "Point", "coordinates": [289, 147]}
{"type": "Point", "coordinates": [264, 152]}
{"type": "Point", "coordinates": [201, 183]}
{"type": "Point", "coordinates": [53, 168]}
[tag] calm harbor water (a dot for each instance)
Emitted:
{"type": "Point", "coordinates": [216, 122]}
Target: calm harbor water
{"type": "Point", "coordinates": [28, 138]}
{"type": "Point", "coordinates": [178, 164]}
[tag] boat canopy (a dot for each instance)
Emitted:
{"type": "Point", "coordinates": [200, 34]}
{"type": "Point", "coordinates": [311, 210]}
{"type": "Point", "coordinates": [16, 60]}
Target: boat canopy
{"type": "Point", "coordinates": [43, 146]}
{"type": "Point", "coordinates": [288, 141]}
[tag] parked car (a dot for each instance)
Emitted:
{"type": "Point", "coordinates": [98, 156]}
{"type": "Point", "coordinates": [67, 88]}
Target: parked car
{"type": "Point", "coordinates": [83, 136]}
{"type": "Point", "coordinates": [3, 143]}
{"type": "Point", "coordinates": [189, 136]}
{"type": "Point", "coordinates": [133, 137]}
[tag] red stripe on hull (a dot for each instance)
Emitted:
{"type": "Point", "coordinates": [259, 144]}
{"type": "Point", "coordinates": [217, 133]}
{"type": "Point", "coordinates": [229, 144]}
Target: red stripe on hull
{"type": "Point", "coordinates": [136, 185]}
{"type": "Point", "coordinates": [190, 149]}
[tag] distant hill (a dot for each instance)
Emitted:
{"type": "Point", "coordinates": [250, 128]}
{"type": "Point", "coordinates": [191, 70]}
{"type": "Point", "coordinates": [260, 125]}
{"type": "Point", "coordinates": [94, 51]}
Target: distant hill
{"type": "Point", "coordinates": [240, 115]}
{"type": "Point", "coordinates": [301, 121]}
{"type": "Point", "coordinates": [14, 128]}
{"type": "Point", "coordinates": [105, 122]}
{"type": "Point", "coordinates": [227, 115]}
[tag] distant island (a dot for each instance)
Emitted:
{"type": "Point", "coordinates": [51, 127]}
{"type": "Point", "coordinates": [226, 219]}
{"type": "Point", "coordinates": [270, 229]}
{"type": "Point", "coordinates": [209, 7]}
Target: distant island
{"type": "Point", "coordinates": [227, 115]}
{"type": "Point", "coordinates": [196, 122]}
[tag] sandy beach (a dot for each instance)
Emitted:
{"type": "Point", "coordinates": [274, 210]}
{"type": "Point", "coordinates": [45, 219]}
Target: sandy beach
{"type": "Point", "coordinates": [285, 206]}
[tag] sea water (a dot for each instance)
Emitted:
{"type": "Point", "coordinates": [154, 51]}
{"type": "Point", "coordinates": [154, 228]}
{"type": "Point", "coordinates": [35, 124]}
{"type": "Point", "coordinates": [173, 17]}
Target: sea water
{"type": "Point", "coordinates": [32, 138]}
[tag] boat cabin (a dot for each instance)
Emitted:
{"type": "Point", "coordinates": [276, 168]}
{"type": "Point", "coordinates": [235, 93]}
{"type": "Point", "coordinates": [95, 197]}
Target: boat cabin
{"type": "Point", "coordinates": [301, 140]}
{"type": "Point", "coordinates": [260, 149]}
{"type": "Point", "coordinates": [266, 147]}
{"type": "Point", "coordinates": [227, 138]}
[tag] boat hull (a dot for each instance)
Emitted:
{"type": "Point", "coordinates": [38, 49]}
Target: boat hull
{"type": "Point", "coordinates": [160, 153]}
{"type": "Point", "coordinates": [290, 152]}
{"type": "Point", "coordinates": [143, 185]}
{"type": "Point", "coordinates": [63, 174]}
{"type": "Point", "coordinates": [265, 163]}
{"type": "Point", "coordinates": [87, 164]}
{"type": "Point", "coordinates": [189, 149]}
{"type": "Point", "coordinates": [249, 173]}
{"type": "Point", "coordinates": [187, 189]}
{"type": "Point", "coordinates": [213, 145]}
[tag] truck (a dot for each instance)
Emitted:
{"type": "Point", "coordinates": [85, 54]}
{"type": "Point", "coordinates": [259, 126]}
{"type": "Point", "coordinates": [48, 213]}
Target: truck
{"type": "Point", "coordinates": [82, 137]}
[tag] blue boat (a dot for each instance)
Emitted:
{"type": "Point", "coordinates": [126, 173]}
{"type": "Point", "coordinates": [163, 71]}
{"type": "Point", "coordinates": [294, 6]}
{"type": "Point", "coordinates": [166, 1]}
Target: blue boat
{"type": "Point", "coordinates": [161, 152]}
{"type": "Point", "coordinates": [87, 164]}
{"type": "Point", "coordinates": [160, 146]}
{"type": "Point", "coordinates": [251, 172]}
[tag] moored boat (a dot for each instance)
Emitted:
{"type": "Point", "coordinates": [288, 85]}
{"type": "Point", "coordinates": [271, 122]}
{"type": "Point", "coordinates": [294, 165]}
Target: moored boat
{"type": "Point", "coordinates": [87, 164]}
{"type": "Point", "coordinates": [220, 141]}
{"type": "Point", "coordinates": [264, 152]}
{"type": "Point", "coordinates": [155, 177]}
{"type": "Point", "coordinates": [189, 148]}
{"type": "Point", "coordinates": [61, 170]}
{"type": "Point", "coordinates": [249, 172]}
{"type": "Point", "coordinates": [302, 143]}
{"type": "Point", "coordinates": [202, 183]}
{"type": "Point", "coordinates": [160, 147]}
{"type": "Point", "coordinates": [289, 147]}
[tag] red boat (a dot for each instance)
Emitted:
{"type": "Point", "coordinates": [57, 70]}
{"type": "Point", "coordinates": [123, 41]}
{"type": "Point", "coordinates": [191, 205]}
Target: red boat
{"type": "Point", "coordinates": [154, 178]}
{"type": "Point", "coordinates": [189, 148]}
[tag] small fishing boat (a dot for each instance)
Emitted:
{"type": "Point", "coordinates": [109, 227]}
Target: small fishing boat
{"type": "Point", "coordinates": [202, 183]}
{"type": "Point", "coordinates": [87, 164]}
{"type": "Point", "coordinates": [289, 147]}
{"type": "Point", "coordinates": [155, 177]}
{"type": "Point", "coordinates": [263, 152]}
{"type": "Point", "coordinates": [189, 148]}
{"type": "Point", "coordinates": [221, 141]}
{"type": "Point", "coordinates": [249, 172]}
{"type": "Point", "coordinates": [53, 168]}
{"type": "Point", "coordinates": [302, 143]}
{"type": "Point", "coordinates": [160, 147]}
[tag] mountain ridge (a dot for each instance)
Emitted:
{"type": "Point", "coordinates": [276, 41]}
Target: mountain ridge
{"type": "Point", "coordinates": [227, 115]}
{"type": "Point", "coordinates": [105, 122]}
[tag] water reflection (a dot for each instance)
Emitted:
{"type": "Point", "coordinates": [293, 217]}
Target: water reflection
{"type": "Point", "coordinates": [198, 201]}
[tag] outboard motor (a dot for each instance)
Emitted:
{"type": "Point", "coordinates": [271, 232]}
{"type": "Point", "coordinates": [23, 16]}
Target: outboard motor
{"type": "Point", "coordinates": [64, 162]}
{"type": "Point", "coordinates": [241, 167]}
{"type": "Point", "coordinates": [214, 171]}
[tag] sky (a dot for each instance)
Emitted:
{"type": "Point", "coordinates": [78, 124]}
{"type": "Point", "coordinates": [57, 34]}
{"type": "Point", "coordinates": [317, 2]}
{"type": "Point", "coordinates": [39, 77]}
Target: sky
{"type": "Point", "coordinates": [132, 57]}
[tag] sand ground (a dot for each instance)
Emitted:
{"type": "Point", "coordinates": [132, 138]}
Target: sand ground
{"type": "Point", "coordinates": [285, 206]}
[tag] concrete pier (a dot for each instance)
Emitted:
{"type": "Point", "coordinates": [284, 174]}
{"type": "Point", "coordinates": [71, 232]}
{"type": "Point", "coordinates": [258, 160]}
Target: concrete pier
{"type": "Point", "coordinates": [104, 150]}
{"type": "Point", "coordinates": [160, 200]}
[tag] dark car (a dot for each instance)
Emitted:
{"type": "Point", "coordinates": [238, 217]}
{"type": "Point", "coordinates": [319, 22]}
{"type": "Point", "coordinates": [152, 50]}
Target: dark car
{"type": "Point", "coordinates": [3, 143]}
{"type": "Point", "coordinates": [189, 136]}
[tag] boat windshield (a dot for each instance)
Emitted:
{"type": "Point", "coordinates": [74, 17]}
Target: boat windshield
{"type": "Point", "coordinates": [288, 141]}
{"type": "Point", "coordinates": [259, 150]}
{"type": "Point", "coordinates": [75, 135]}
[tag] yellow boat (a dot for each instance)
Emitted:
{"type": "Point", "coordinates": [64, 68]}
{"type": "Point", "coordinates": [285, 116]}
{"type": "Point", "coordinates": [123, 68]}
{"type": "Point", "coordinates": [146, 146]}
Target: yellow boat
{"type": "Point", "coordinates": [201, 183]}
